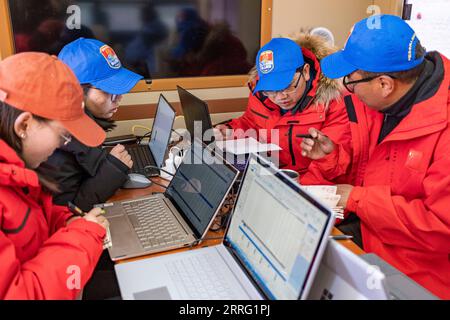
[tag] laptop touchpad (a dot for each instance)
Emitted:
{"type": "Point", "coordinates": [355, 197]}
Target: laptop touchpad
{"type": "Point", "coordinates": [154, 294]}
{"type": "Point", "coordinates": [123, 237]}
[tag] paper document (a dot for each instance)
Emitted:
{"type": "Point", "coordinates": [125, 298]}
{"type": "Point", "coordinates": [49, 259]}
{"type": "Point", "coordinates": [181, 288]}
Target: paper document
{"type": "Point", "coordinates": [107, 242]}
{"type": "Point", "coordinates": [245, 146]}
{"type": "Point", "coordinates": [328, 197]}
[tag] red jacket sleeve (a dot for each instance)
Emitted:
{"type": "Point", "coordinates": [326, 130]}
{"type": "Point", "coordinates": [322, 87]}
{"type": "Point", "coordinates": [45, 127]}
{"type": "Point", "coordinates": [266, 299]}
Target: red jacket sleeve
{"type": "Point", "coordinates": [61, 268]}
{"type": "Point", "coordinates": [337, 125]}
{"type": "Point", "coordinates": [418, 223]}
{"type": "Point", "coordinates": [329, 169]}
{"type": "Point", "coordinates": [58, 217]}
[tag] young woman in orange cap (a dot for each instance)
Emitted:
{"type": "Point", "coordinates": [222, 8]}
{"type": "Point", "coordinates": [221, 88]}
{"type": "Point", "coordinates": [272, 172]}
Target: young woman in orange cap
{"type": "Point", "coordinates": [45, 251]}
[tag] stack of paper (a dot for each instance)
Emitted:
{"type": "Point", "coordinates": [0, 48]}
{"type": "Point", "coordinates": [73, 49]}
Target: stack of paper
{"type": "Point", "coordinates": [107, 242]}
{"type": "Point", "coordinates": [328, 197]}
{"type": "Point", "coordinates": [245, 146]}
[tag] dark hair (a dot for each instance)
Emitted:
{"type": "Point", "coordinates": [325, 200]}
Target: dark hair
{"type": "Point", "coordinates": [407, 76]}
{"type": "Point", "coordinates": [8, 116]}
{"type": "Point", "coordinates": [86, 87]}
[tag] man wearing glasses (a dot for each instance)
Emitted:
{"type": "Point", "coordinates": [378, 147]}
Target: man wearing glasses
{"type": "Point", "coordinates": [289, 94]}
{"type": "Point", "coordinates": [85, 175]}
{"type": "Point", "coordinates": [397, 168]}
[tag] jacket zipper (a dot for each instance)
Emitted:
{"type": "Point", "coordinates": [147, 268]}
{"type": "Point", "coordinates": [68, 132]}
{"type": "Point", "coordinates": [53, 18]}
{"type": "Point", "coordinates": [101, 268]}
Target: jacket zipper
{"type": "Point", "coordinates": [22, 225]}
{"type": "Point", "coordinates": [291, 145]}
{"type": "Point", "coordinates": [259, 114]}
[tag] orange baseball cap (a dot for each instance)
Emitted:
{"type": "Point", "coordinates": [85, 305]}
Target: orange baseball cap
{"type": "Point", "coordinates": [45, 86]}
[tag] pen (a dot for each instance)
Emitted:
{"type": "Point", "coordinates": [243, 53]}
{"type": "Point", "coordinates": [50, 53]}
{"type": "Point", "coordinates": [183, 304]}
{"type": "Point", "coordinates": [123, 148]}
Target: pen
{"type": "Point", "coordinates": [75, 210]}
{"type": "Point", "coordinates": [341, 237]}
{"type": "Point", "coordinates": [306, 136]}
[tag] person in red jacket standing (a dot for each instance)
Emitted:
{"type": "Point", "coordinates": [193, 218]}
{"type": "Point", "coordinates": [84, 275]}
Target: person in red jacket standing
{"type": "Point", "coordinates": [397, 168]}
{"type": "Point", "coordinates": [288, 95]}
{"type": "Point", "coordinates": [45, 251]}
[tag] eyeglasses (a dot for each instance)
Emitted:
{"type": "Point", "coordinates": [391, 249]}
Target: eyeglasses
{"type": "Point", "coordinates": [289, 90]}
{"type": "Point", "coordinates": [350, 85]}
{"type": "Point", "coordinates": [66, 139]}
{"type": "Point", "coordinates": [113, 97]}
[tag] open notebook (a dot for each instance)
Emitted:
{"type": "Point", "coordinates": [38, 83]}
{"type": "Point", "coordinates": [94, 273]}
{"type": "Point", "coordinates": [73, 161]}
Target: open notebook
{"type": "Point", "coordinates": [328, 197]}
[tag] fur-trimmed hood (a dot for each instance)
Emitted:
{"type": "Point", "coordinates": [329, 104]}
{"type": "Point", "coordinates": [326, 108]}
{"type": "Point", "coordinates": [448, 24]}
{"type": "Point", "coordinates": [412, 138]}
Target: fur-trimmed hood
{"type": "Point", "coordinates": [327, 89]}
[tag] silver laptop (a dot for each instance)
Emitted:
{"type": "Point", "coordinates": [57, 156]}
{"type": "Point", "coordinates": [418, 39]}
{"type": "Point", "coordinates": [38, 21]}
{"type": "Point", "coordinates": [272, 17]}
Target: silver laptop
{"type": "Point", "coordinates": [180, 216]}
{"type": "Point", "coordinates": [398, 286]}
{"type": "Point", "coordinates": [272, 248]}
{"type": "Point", "coordinates": [344, 275]}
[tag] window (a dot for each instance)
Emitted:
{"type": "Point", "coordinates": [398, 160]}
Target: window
{"type": "Point", "coordinates": [431, 21]}
{"type": "Point", "coordinates": [195, 43]}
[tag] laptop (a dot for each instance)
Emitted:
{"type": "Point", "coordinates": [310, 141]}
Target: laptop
{"type": "Point", "coordinates": [196, 116]}
{"type": "Point", "coordinates": [178, 217]}
{"type": "Point", "coordinates": [344, 275]}
{"type": "Point", "coordinates": [271, 250]}
{"type": "Point", "coordinates": [398, 286]}
{"type": "Point", "coordinates": [154, 153]}
{"type": "Point", "coordinates": [198, 121]}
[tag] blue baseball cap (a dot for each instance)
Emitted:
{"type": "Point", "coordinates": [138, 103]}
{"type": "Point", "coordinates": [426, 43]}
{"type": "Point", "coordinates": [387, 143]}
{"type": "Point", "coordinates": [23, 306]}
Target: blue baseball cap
{"type": "Point", "coordinates": [277, 62]}
{"type": "Point", "coordinates": [96, 63]}
{"type": "Point", "coordinates": [380, 43]}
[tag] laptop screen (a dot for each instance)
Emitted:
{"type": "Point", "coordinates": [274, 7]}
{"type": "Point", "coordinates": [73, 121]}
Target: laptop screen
{"type": "Point", "coordinates": [162, 130]}
{"type": "Point", "coordinates": [196, 115]}
{"type": "Point", "coordinates": [276, 230]}
{"type": "Point", "coordinates": [200, 185]}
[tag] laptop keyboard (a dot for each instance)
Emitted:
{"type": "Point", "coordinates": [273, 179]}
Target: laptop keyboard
{"type": "Point", "coordinates": [141, 158]}
{"type": "Point", "coordinates": [199, 278]}
{"type": "Point", "coordinates": [153, 224]}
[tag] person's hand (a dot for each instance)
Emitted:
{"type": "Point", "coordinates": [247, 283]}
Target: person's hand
{"type": "Point", "coordinates": [96, 216]}
{"type": "Point", "coordinates": [318, 147]}
{"type": "Point", "coordinates": [344, 191]}
{"type": "Point", "coordinates": [72, 219]}
{"type": "Point", "coordinates": [122, 154]}
{"type": "Point", "coordinates": [222, 132]}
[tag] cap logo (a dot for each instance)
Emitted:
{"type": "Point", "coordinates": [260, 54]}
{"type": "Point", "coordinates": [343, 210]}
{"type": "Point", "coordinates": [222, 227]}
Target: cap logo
{"type": "Point", "coordinates": [266, 63]}
{"type": "Point", "coordinates": [410, 47]}
{"type": "Point", "coordinates": [110, 57]}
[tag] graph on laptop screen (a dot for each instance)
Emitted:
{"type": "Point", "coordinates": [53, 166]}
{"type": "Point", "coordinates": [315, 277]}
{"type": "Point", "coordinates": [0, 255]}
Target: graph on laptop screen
{"type": "Point", "coordinates": [200, 183]}
{"type": "Point", "coordinates": [275, 232]}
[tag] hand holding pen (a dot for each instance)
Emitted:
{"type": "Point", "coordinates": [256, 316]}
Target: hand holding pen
{"type": "Point", "coordinates": [315, 144]}
{"type": "Point", "coordinates": [95, 215]}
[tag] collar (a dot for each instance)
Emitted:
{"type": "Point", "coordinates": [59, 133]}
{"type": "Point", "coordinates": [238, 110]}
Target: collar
{"type": "Point", "coordinates": [13, 171]}
{"type": "Point", "coordinates": [403, 106]}
{"type": "Point", "coordinates": [429, 113]}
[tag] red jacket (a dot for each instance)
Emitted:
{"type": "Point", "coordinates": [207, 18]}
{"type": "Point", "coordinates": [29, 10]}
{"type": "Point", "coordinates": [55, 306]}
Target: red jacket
{"type": "Point", "coordinates": [402, 193]}
{"type": "Point", "coordinates": [38, 253]}
{"type": "Point", "coordinates": [322, 112]}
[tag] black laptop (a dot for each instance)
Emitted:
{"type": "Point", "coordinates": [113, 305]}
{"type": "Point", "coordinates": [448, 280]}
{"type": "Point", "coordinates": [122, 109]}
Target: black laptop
{"type": "Point", "coordinates": [196, 115]}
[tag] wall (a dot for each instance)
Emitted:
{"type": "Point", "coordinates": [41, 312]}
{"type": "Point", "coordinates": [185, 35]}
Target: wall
{"type": "Point", "coordinates": [338, 16]}
{"type": "Point", "coordinates": [390, 6]}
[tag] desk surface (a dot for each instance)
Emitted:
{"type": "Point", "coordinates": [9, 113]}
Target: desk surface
{"type": "Point", "coordinates": [125, 194]}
